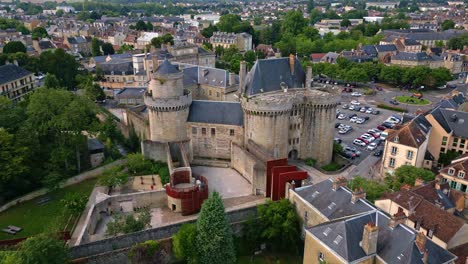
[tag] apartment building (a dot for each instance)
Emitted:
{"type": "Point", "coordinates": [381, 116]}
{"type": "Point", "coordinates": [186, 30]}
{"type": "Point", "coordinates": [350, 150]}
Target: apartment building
{"type": "Point", "coordinates": [456, 174]}
{"type": "Point", "coordinates": [407, 145]}
{"type": "Point", "coordinates": [243, 41]}
{"type": "Point", "coordinates": [15, 82]}
{"type": "Point", "coordinates": [449, 131]}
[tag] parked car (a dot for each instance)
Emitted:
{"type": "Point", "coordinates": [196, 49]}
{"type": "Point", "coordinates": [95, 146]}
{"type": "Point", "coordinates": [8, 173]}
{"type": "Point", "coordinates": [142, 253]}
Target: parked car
{"type": "Point", "coordinates": [345, 106]}
{"type": "Point", "coordinates": [356, 94]}
{"type": "Point", "coordinates": [369, 110]}
{"type": "Point", "coordinates": [366, 118]}
{"type": "Point", "coordinates": [353, 149]}
{"type": "Point", "coordinates": [337, 140]}
{"type": "Point", "coordinates": [348, 154]}
{"type": "Point", "coordinates": [354, 102]}
{"type": "Point", "coordinates": [375, 112]}
{"type": "Point", "coordinates": [381, 128]}
{"type": "Point", "coordinates": [359, 142]}
{"type": "Point", "coordinates": [337, 125]}
{"type": "Point", "coordinates": [363, 110]}
{"type": "Point", "coordinates": [388, 125]}
{"type": "Point", "coordinates": [372, 146]}
{"type": "Point", "coordinates": [360, 120]}
{"type": "Point", "coordinates": [352, 107]}
{"type": "Point", "coordinates": [394, 102]}
{"type": "Point", "coordinates": [354, 119]}
{"type": "Point", "coordinates": [378, 153]}
{"type": "Point", "coordinates": [351, 116]}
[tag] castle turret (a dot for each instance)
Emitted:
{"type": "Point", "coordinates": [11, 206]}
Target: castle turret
{"type": "Point", "coordinates": [168, 104]}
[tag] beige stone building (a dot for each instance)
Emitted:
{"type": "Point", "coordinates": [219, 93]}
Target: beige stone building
{"type": "Point", "coordinates": [407, 145]}
{"type": "Point", "coordinates": [456, 175]}
{"type": "Point", "coordinates": [449, 131]}
{"type": "Point", "coordinates": [15, 82]}
{"type": "Point", "coordinates": [242, 41]}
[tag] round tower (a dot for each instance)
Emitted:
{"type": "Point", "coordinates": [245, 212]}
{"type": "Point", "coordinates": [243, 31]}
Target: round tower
{"type": "Point", "coordinates": [168, 104]}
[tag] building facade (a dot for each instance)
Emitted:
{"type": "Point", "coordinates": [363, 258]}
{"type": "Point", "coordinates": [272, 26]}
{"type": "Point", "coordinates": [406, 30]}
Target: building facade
{"type": "Point", "coordinates": [15, 82]}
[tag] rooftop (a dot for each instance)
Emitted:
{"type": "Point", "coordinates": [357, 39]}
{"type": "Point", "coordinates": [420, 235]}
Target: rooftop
{"type": "Point", "coordinates": [11, 72]}
{"type": "Point", "coordinates": [216, 112]}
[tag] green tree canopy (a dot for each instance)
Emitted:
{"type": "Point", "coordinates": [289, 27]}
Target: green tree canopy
{"type": "Point", "coordinates": [42, 249]}
{"type": "Point", "coordinates": [39, 33]}
{"type": "Point", "coordinates": [448, 24]}
{"type": "Point", "coordinates": [14, 47]}
{"type": "Point", "coordinates": [446, 158]}
{"type": "Point", "coordinates": [214, 235]}
{"type": "Point", "coordinates": [107, 49]}
{"type": "Point", "coordinates": [96, 47]}
{"type": "Point", "coordinates": [408, 174]}
{"type": "Point", "coordinates": [373, 189]}
{"type": "Point", "coordinates": [184, 243]}
{"type": "Point", "coordinates": [51, 81]}
{"type": "Point", "coordinates": [293, 23]}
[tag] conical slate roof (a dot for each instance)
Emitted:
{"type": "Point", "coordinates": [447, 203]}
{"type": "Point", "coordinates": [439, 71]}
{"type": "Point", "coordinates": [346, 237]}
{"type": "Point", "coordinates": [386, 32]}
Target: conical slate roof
{"type": "Point", "coordinates": [167, 68]}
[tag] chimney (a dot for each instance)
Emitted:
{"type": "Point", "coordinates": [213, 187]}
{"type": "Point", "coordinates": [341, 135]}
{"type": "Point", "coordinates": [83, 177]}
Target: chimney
{"type": "Point", "coordinates": [242, 75]}
{"type": "Point", "coordinates": [15, 62]}
{"type": "Point", "coordinates": [277, 54]}
{"type": "Point", "coordinates": [421, 241]}
{"type": "Point", "coordinates": [405, 187]}
{"type": "Point", "coordinates": [232, 79]}
{"type": "Point", "coordinates": [339, 182]}
{"type": "Point", "coordinates": [418, 182]}
{"type": "Point", "coordinates": [396, 219]}
{"type": "Point", "coordinates": [358, 194]}
{"type": "Point", "coordinates": [425, 256]}
{"type": "Point", "coordinates": [292, 60]}
{"type": "Point", "coordinates": [309, 77]}
{"type": "Point", "coordinates": [369, 238]}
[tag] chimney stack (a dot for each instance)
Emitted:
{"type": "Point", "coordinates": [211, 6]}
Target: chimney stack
{"type": "Point", "coordinates": [369, 238]}
{"type": "Point", "coordinates": [339, 182]}
{"type": "Point", "coordinates": [418, 182]}
{"type": "Point", "coordinates": [292, 60]}
{"type": "Point", "coordinates": [232, 79]}
{"type": "Point", "coordinates": [421, 241]}
{"type": "Point", "coordinates": [425, 256]}
{"type": "Point", "coordinates": [309, 77]}
{"type": "Point", "coordinates": [405, 187]}
{"type": "Point", "coordinates": [358, 194]}
{"type": "Point", "coordinates": [396, 219]}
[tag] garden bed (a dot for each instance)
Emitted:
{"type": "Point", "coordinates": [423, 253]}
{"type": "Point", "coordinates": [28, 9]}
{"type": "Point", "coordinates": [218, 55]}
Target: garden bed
{"type": "Point", "coordinates": [412, 100]}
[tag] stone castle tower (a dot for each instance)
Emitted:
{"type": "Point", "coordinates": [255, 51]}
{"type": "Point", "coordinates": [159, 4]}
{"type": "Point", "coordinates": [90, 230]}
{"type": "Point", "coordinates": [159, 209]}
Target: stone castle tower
{"type": "Point", "coordinates": [168, 104]}
{"type": "Point", "coordinates": [284, 114]}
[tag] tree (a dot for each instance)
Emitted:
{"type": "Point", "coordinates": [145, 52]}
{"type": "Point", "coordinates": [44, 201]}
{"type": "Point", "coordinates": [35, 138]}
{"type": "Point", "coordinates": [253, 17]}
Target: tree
{"type": "Point", "coordinates": [149, 26]}
{"type": "Point", "coordinates": [124, 48]}
{"type": "Point", "coordinates": [280, 226]}
{"type": "Point", "coordinates": [208, 31]}
{"type": "Point", "coordinates": [391, 74]}
{"type": "Point", "coordinates": [147, 252]}
{"type": "Point", "coordinates": [448, 24]}
{"type": "Point", "coordinates": [39, 33]}
{"type": "Point", "coordinates": [228, 22]}
{"type": "Point", "coordinates": [408, 174]}
{"type": "Point", "coordinates": [356, 74]}
{"type": "Point", "coordinates": [96, 47]}
{"type": "Point", "coordinates": [164, 39]}
{"type": "Point", "coordinates": [107, 49]}
{"type": "Point", "coordinates": [14, 47]}
{"type": "Point", "coordinates": [345, 23]}
{"type": "Point", "coordinates": [62, 65]}
{"type": "Point", "coordinates": [439, 43]}
{"type": "Point", "coordinates": [140, 25]}
{"type": "Point", "coordinates": [373, 189]}
{"type": "Point", "coordinates": [51, 81]}
{"type": "Point", "coordinates": [59, 13]}
{"type": "Point", "coordinates": [184, 243]}
{"type": "Point", "coordinates": [74, 202]}
{"type": "Point", "coordinates": [42, 249]}
{"type": "Point", "coordinates": [458, 42]}
{"type": "Point", "coordinates": [113, 177]}
{"type": "Point", "coordinates": [214, 235]}
{"type": "Point", "coordinates": [138, 165]}
{"type": "Point", "coordinates": [293, 22]}
{"type": "Point", "coordinates": [446, 158]}
{"type": "Point", "coordinates": [310, 5]}
{"type": "Point", "coordinates": [11, 157]}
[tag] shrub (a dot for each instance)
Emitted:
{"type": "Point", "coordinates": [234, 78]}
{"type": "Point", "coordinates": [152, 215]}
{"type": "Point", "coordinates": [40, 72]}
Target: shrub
{"type": "Point", "coordinates": [310, 162]}
{"type": "Point", "coordinates": [146, 252]}
{"type": "Point", "coordinates": [331, 167]}
{"type": "Point", "coordinates": [183, 243]}
{"type": "Point", "coordinates": [393, 108]}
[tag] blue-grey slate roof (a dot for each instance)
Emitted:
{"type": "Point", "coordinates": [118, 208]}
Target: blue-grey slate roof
{"type": "Point", "coordinates": [167, 68]}
{"type": "Point", "coordinates": [207, 75]}
{"type": "Point", "coordinates": [369, 50]}
{"type": "Point", "coordinates": [11, 72]}
{"type": "Point", "coordinates": [267, 75]}
{"type": "Point", "coordinates": [412, 56]}
{"type": "Point", "coordinates": [341, 198]}
{"type": "Point", "coordinates": [101, 59]}
{"type": "Point", "coordinates": [216, 112]}
{"type": "Point", "coordinates": [394, 245]}
{"type": "Point", "coordinates": [385, 48]}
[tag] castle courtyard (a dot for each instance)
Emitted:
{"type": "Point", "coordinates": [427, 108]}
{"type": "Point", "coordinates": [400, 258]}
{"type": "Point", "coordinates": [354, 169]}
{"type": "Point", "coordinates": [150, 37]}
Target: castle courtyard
{"type": "Point", "coordinates": [226, 181]}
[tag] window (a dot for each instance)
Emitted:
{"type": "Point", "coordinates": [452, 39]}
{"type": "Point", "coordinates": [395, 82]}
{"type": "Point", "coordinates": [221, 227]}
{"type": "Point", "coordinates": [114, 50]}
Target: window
{"type": "Point", "coordinates": [194, 130]}
{"type": "Point", "coordinates": [203, 130]}
{"type": "Point", "coordinates": [462, 143]}
{"type": "Point", "coordinates": [442, 150]}
{"type": "Point", "coordinates": [451, 171]}
{"type": "Point", "coordinates": [461, 174]}
{"type": "Point", "coordinates": [455, 142]}
{"type": "Point", "coordinates": [213, 131]}
{"type": "Point", "coordinates": [217, 94]}
{"type": "Point", "coordinates": [394, 150]}
{"type": "Point", "coordinates": [231, 132]}
{"type": "Point", "coordinates": [409, 155]}
{"type": "Point", "coordinates": [391, 164]}
{"type": "Point", "coordinates": [321, 256]}
{"type": "Point", "coordinates": [209, 92]}
{"type": "Point", "coordinates": [444, 141]}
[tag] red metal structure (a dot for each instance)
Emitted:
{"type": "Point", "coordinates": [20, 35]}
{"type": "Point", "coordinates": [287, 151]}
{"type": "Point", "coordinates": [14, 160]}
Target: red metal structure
{"type": "Point", "coordinates": [278, 174]}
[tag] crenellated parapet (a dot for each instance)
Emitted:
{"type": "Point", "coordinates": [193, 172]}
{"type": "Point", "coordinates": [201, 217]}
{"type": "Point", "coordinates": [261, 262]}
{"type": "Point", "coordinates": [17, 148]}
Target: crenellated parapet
{"type": "Point", "coordinates": [168, 104]}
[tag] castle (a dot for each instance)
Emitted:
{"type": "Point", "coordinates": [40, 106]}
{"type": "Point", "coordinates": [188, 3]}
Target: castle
{"type": "Point", "coordinates": [277, 114]}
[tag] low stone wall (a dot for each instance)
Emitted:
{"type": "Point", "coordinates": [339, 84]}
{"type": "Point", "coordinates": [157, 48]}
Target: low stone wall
{"type": "Point", "coordinates": [109, 204]}
{"type": "Point", "coordinates": [125, 241]}
{"type": "Point", "coordinates": [70, 181]}
{"type": "Point", "coordinates": [210, 163]}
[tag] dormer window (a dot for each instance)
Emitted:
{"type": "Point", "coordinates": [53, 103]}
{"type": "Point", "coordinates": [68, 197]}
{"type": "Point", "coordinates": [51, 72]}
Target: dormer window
{"type": "Point", "coordinates": [461, 174]}
{"type": "Point", "coordinates": [430, 233]}
{"type": "Point", "coordinates": [451, 171]}
{"type": "Point", "coordinates": [396, 139]}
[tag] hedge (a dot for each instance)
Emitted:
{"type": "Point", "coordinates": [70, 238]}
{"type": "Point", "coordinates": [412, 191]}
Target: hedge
{"type": "Point", "coordinates": [393, 108]}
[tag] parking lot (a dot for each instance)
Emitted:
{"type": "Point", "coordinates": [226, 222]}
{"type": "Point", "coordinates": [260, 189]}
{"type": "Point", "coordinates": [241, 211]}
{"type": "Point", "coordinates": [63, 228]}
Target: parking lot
{"type": "Point", "coordinates": [359, 129]}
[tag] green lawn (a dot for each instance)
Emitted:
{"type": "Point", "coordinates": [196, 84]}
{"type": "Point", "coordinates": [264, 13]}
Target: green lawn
{"type": "Point", "coordinates": [331, 167]}
{"type": "Point", "coordinates": [269, 259]}
{"type": "Point", "coordinates": [412, 100]}
{"type": "Point", "coordinates": [35, 218]}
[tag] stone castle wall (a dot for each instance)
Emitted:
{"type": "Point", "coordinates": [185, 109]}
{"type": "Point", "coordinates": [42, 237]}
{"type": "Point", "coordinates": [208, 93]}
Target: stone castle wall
{"type": "Point", "coordinates": [250, 167]}
{"type": "Point", "coordinates": [168, 126]}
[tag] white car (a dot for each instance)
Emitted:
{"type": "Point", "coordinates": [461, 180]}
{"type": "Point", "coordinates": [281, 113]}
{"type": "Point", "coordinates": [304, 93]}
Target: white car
{"type": "Point", "coordinates": [368, 137]}
{"type": "Point", "coordinates": [360, 121]}
{"type": "Point", "coordinates": [356, 94]}
{"type": "Point", "coordinates": [354, 119]}
{"type": "Point", "coordinates": [359, 142]}
{"type": "Point", "coordinates": [369, 111]}
{"type": "Point", "coordinates": [341, 116]}
{"type": "Point", "coordinates": [372, 146]}
{"type": "Point", "coordinates": [393, 120]}
{"type": "Point", "coordinates": [354, 102]}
